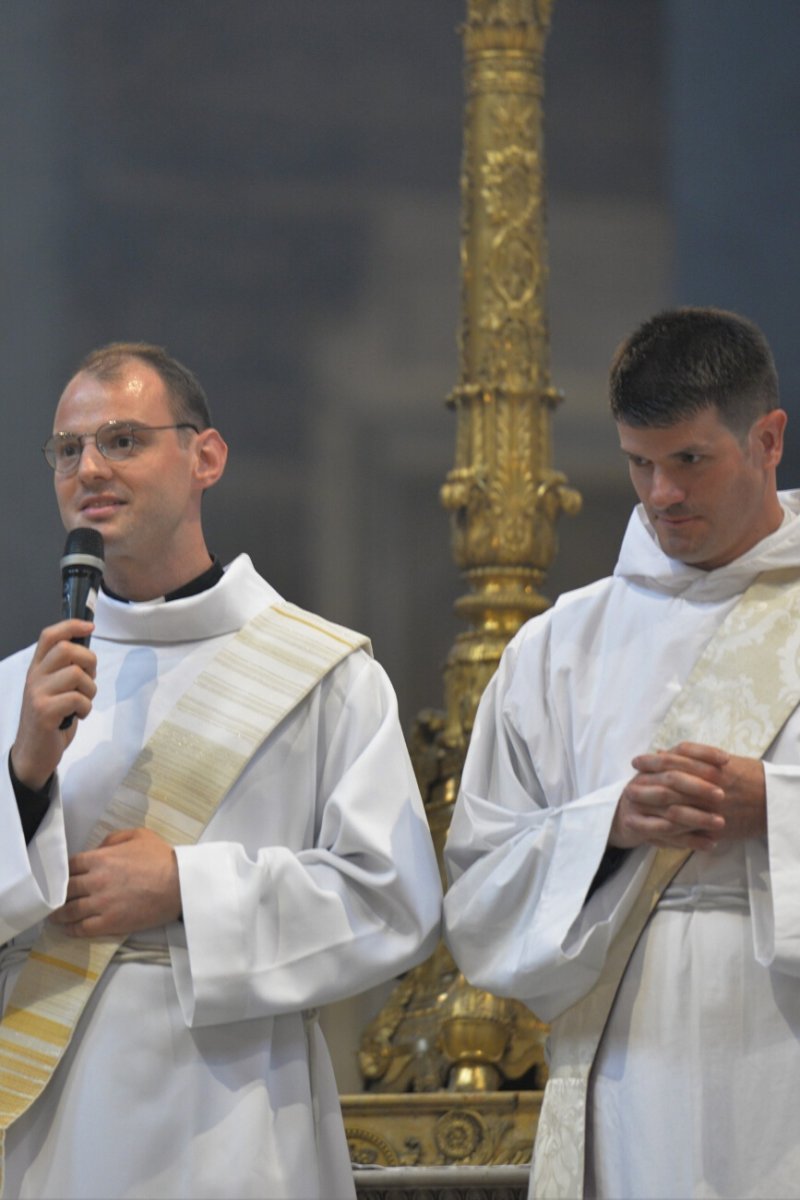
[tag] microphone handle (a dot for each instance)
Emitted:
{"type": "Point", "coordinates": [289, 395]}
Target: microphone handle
{"type": "Point", "coordinates": [78, 600]}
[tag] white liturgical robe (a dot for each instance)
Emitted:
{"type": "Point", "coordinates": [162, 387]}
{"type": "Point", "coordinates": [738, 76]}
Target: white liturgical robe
{"type": "Point", "coordinates": [200, 1071]}
{"type": "Point", "coordinates": [694, 1088]}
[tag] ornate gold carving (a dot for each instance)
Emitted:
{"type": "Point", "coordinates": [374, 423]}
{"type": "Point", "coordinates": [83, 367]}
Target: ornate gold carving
{"type": "Point", "coordinates": [505, 498]}
{"type": "Point", "coordinates": [459, 1134]}
{"type": "Point", "coordinates": [473, 1129]}
{"type": "Point", "coordinates": [369, 1149]}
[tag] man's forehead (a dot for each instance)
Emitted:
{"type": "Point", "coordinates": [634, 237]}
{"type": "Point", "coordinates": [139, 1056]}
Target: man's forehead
{"type": "Point", "coordinates": [133, 387]}
{"type": "Point", "coordinates": [692, 434]}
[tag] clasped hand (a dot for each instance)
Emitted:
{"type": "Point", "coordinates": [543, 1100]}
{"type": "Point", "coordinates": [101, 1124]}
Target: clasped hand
{"type": "Point", "coordinates": [691, 797]}
{"type": "Point", "coordinates": [129, 883]}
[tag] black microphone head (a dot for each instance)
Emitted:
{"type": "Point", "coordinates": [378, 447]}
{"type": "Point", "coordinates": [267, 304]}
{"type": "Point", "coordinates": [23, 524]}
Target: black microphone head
{"type": "Point", "coordinates": [84, 546]}
{"type": "Point", "coordinates": [84, 541]}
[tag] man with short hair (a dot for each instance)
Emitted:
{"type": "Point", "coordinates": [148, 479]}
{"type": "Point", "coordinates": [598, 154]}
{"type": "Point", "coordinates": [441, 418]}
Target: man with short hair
{"type": "Point", "coordinates": [232, 820]}
{"type": "Point", "coordinates": [625, 851]}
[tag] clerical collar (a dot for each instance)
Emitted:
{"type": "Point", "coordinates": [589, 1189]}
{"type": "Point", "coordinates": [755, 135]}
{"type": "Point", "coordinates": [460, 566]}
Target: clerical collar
{"type": "Point", "coordinates": [200, 584]}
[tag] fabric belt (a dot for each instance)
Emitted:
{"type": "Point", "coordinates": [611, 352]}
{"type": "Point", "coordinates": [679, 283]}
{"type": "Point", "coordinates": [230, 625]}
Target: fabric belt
{"type": "Point", "coordinates": [704, 898]}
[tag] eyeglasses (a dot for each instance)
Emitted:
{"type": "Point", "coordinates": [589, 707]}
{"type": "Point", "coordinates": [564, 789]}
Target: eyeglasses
{"type": "Point", "coordinates": [116, 440]}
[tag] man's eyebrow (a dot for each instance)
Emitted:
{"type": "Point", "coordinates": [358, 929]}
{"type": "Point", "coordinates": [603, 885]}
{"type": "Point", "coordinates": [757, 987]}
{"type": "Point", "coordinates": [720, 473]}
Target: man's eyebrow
{"type": "Point", "coordinates": [692, 448]}
{"type": "Point", "coordinates": [126, 421]}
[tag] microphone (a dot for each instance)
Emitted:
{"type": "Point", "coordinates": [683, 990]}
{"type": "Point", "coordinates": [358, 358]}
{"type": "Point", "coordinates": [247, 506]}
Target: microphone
{"type": "Point", "coordinates": [81, 572]}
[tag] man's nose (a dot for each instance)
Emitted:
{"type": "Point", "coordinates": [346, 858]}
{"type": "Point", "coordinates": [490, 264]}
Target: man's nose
{"type": "Point", "coordinates": [665, 489]}
{"type": "Point", "coordinates": [92, 462]}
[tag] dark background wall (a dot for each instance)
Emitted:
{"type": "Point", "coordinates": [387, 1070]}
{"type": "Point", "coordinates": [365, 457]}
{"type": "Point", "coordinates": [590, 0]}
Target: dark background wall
{"type": "Point", "coordinates": [270, 189]}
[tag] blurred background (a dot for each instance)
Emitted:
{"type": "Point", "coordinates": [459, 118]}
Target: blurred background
{"type": "Point", "coordinates": [269, 188]}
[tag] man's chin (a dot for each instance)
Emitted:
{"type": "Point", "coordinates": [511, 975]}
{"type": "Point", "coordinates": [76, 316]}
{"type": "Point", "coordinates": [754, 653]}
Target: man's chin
{"type": "Point", "coordinates": [682, 549]}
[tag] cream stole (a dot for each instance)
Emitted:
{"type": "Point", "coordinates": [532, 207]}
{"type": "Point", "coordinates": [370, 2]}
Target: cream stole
{"type": "Point", "coordinates": [174, 787]}
{"type": "Point", "coordinates": [738, 696]}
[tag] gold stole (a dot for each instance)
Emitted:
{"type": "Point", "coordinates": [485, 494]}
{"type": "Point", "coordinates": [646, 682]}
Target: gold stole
{"type": "Point", "coordinates": [738, 696]}
{"type": "Point", "coordinates": [174, 787]}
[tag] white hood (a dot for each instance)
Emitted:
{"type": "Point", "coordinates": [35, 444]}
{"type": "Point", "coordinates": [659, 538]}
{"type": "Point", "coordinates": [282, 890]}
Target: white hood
{"type": "Point", "coordinates": [643, 562]}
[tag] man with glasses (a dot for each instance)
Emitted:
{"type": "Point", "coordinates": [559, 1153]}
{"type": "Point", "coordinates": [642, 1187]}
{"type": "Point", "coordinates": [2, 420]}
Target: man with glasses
{"type": "Point", "coordinates": [232, 821]}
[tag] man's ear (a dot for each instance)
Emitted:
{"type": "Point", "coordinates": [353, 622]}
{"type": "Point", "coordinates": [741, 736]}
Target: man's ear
{"type": "Point", "coordinates": [211, 455]}
{"type": "Point", "coordinates": [769, 431]}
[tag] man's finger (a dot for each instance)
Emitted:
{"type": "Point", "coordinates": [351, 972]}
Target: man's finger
{"type": "Point", "coordinates": [702, 753]}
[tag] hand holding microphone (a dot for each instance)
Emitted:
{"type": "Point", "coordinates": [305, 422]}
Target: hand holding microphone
{"type": "Point", "coordinates": [81, 573]}
{"type": "Point", "coordinates": [60, 681]}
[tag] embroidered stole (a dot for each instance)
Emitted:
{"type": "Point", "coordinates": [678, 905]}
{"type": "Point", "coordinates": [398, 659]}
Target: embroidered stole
{"type": "Point", "coordinates": [739, 694]}
{"type": "Point", "coordinates": [174, 787]}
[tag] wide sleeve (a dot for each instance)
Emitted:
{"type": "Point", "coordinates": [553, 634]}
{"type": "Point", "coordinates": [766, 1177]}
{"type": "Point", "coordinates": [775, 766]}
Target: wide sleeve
{"type": "Point", "coordinates": [33, 878]}
{"type": "Point", "coordinates": [288, 927]}
{"type": "Point", "coordinates": [773, 870]}
{"type": "Point", "coordinates": [524, 846]}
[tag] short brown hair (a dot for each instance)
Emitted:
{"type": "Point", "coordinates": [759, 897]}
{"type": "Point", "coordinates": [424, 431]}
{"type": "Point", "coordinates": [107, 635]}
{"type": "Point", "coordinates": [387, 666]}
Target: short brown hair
{"type": "Point", "coordinates": [687, 359]}
{"type": "Point", "coordinates": [186, 396]}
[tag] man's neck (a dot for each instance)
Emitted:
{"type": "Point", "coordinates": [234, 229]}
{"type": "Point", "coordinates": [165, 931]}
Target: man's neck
{"type": "Point", "coordinates": [198, 583]}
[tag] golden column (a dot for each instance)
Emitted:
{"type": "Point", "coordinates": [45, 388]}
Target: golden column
{"type": "Point", "coordinates": [437, 1034]}
{"type": "Point", "coordinates": [503, 493]}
